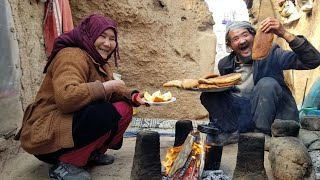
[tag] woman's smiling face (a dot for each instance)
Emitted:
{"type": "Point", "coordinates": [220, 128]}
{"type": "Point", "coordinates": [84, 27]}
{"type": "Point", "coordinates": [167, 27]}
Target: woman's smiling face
{"type": "Point", "coordinates": [106, 43]}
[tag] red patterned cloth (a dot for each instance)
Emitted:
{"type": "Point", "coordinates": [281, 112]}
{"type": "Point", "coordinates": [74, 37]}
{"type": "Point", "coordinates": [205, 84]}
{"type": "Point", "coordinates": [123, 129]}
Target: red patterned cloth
{"type": "Point", "coordinates": [57, 20]}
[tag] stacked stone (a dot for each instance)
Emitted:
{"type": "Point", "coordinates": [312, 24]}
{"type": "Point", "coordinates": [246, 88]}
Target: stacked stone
{"type": "Point", "coordinates": [289, 158]}
{"type": "Point", "coordinates": [310, 136]}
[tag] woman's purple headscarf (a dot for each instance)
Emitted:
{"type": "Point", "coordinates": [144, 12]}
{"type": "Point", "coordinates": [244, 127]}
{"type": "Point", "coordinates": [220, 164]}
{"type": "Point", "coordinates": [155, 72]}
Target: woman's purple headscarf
{"type": "Point", "coordinates": [83, 36]}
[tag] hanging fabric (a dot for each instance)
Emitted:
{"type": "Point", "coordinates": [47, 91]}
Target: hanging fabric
{"type": "Point", "coordinates": [57, 20]}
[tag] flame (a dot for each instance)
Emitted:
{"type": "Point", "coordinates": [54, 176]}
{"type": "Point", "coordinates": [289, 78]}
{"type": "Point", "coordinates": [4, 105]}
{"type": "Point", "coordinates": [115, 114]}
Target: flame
{"type": "Point", "coordinates": [170, 157]}
{"type": "Point", "coordinates": [197, 149]}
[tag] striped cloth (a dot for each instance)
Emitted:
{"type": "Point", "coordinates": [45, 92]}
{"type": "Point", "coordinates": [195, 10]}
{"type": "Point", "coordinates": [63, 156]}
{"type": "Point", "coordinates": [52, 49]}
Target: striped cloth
{"type": "Point", "coordinates": [57, 20]}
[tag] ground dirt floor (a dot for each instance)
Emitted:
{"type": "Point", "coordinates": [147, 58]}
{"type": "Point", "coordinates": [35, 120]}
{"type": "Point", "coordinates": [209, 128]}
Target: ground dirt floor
{"type": "Point", "coordinates": [27, 167]}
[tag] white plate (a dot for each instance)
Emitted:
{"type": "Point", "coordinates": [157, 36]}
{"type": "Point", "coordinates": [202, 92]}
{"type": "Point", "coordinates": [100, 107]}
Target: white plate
{"type": "Point", "coordinates": [159, 103]}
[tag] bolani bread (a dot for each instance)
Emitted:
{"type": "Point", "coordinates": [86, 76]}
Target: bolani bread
{"type": "Point", "coordinates": [207, 86]}
{"type": "Point", "coordinates": [173, 83]}
{"type": "Point", "coordinates": [210, 76]}
{"type": "Point", "coordinates": [225, 79]}
{"type": "Point", "coordinates": [189, 83]}
{"type": "Point", "coordinates": [262, 44]}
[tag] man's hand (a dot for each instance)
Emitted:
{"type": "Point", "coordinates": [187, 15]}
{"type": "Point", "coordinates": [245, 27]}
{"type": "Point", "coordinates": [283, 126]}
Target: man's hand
{"type": "Point", "coordinates": [272, 25]}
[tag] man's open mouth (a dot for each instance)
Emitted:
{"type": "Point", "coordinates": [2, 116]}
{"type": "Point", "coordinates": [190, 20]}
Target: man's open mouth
{"type": "Point", "coordinates": [245, 49]}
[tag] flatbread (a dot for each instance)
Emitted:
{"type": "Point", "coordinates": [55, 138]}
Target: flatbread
{"type": "Point", "coordinates": [262, 44]}
{"type": "Point", "coordinates": [207, 86]}
{"type": "Point", "coordinates": [173, 83]}
{"type": "Point", "coordinates": [205, 81]}
{"type": "Point", "coordinates": [225, 79]}
{"type": "Point", "coordinates": [227, 84]}
{"type": "Point", "coordinates": [189, 83]}
{"type": "Point", "coordinates": [211, 75]}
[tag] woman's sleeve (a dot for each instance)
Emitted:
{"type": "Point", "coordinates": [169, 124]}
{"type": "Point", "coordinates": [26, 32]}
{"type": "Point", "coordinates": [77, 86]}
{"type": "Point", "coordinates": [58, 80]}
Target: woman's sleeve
{"type": "Point", "coordinates": [72, 91]}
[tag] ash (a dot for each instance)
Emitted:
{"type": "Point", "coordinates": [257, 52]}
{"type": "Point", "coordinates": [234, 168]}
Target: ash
{"type": "Point", "coordinates": [215, 175]}
{"type": "Point", "coordinates": [209, 175]}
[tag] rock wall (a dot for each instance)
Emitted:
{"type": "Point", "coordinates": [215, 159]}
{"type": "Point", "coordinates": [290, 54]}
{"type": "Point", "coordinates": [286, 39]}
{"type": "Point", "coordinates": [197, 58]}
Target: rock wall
{"type": "Point", "coordinates": [307, 25]}
{"type": "Point", "coordinates": [28, 17]}
{"type": "Point", "coordinates": [159, 40]}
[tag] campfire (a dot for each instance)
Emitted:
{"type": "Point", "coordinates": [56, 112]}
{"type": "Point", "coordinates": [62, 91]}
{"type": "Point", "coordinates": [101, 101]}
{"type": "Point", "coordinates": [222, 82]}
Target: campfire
{"type": "Point", "coordinates": [188, 161]}
{"type": "Point", "coordinates": [196, 155]}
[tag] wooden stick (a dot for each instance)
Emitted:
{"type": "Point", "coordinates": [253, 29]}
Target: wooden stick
{"type": "Point", "coordinates": [304, 94]}
{"type": "Point", "coordinates": [185, 167]}
{"type": "Point", "coordinates": [202, 155]}
{"type": "Point", "coordinates": [182, 156]}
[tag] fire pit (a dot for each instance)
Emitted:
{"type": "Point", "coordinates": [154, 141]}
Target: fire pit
{"type": "Point", "coordinates": [196, 154]}
{"type": "Point", "coordinates": [201, 150]}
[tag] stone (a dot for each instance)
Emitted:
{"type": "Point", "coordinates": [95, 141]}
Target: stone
{"type": "Point", "coordinates": [182, 129]}
{"type": "Point", "coordinates": [3, 145]}
{"type": "Point", "coordinates": [146, 161]}
{"type": "Point", "coordinates": [314, 146]}
{"type": "Point", "coordinates": [267, 142]}
{"type": "Point", "coordinates": [311, 123]}
{"type": "Point", "coordinates": [282, 128]}
{"type": "Point", "coordinates": [250, 158]}
{"type": "Point", "coordinates": [308, 137]}
{"type": "Point", "coordinates": [315, 156]}
{"type": "Point", "coordinates": [289, 159]}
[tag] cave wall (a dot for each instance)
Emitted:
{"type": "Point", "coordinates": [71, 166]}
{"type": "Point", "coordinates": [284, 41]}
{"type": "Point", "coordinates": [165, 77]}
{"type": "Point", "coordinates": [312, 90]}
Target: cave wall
{"type": "Point", "coordinates": [159, 40]}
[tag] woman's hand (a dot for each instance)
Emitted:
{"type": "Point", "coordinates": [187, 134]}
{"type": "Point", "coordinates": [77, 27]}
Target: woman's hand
{"type": "Point", "coordinates": [113, 83]}
{"type": "Point", "coordinates": [116, 86]}
{"type": "Point", "coordinates": [272, 25]}
{"type": "Point", "coordinates": [137, 99]}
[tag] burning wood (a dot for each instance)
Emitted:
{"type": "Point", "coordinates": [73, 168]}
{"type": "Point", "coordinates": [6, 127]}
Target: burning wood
{"type": "Point", "coordinates": [183, 155]}
{"type": "Point", "coordinates": [187, 161]}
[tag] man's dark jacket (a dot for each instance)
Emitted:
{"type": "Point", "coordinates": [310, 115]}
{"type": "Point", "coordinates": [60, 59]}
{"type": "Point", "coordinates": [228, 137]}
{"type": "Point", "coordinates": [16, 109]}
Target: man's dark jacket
{"type": "Point", "coordinates": [302, 57]}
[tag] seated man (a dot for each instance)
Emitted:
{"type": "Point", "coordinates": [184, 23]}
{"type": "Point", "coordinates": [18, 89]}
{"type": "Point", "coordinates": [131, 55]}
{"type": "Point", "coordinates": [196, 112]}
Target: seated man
{"type": "Point", "coordinates": [262, 95]}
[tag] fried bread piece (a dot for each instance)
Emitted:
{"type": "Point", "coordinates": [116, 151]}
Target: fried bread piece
{"type": "Point", "coordinates": [262, 44]}
{"type": "Point", "coordinates": [207, 86]}
{"type": "Point", "coordinates": [225, 79]}
{"type": "Point", "coordinates": [173, 83]}
{"type": "Point", "coordinates": [211, 75]}
{"type": "Point", "coordinates": [228, 84]}
{"type": "Point", "coordinates": [205, 81]}
{"type": "Point", "coordinates": [189, 83]}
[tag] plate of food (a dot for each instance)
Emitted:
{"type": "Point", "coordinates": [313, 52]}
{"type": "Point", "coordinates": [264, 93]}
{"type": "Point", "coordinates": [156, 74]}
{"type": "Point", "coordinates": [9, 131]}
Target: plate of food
{"type": "Point", "coordinates": [207, 83]}
{"type": "Point", "coordinates": [158, 99]}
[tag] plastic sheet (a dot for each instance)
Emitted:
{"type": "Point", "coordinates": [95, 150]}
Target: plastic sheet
{"type": "Point", "coordinates": [8, 75]}
{"type": "Point", "coordinates": [311, 105]}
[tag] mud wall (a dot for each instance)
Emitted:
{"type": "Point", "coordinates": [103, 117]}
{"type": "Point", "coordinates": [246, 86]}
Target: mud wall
{"type": "Point", "coordinates": [159, 40]}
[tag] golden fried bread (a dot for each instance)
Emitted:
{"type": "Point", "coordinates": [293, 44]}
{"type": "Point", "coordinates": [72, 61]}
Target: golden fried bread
{"type": "Point", "coordinates": [205, 81]}
{"type": "Point", "coordinates": [189, 83]}
{"type": "Point", "coordinates": [211, 75]}
{"type": "Point", "coordinates": [262, 44]}
{"type": "Point", "coordinates": [173, 83]}
{"type": "Point", "coordinates": [227, 84]}
{"type": "Point", "coordinates": [207, 86]}
{"type": "Point", "coordinates": [228, 78]}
